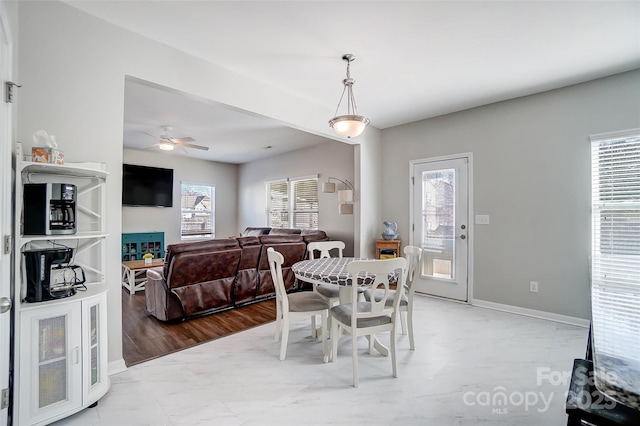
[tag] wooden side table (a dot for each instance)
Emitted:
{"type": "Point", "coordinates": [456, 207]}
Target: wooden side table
{"type": "Point", "coordinates": [134, 274]}
{"type": "Point", "coordinates": [387, 245]}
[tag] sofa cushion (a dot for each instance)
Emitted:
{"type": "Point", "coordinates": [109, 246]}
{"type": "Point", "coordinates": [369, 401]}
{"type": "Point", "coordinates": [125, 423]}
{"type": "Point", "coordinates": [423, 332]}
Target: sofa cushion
{"type": "Point", "coordinates": [204, 280]}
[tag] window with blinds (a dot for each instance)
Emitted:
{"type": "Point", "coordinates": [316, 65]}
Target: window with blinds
{"type": "Point", "coordinates": [278, 204]}
{"type": "Point", "coordinates": [616, 253]}
{"type": "Point", "coordinates": [197, 203]}
{"type": "Point", "coordinates": [293, 203]}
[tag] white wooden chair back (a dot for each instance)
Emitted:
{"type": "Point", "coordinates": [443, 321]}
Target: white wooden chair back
{"type": "Point", "coordinates": [275, 265]}
{"type": "Point", "coordinates": [324, 247]}
{"type": "Point", "coordinates": [381, 269]}
{"type": "Point", "coordinates": [413, 255]}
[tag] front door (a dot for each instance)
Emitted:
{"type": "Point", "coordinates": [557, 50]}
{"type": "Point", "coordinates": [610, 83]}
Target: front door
{"type": "Point", "coordinates": [5, 221]}
{"type": "Point", "coordinates": [440, 216]}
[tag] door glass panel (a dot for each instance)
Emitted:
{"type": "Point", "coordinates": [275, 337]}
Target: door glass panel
{"type": "Point", "coordinates": [93, 326]}
{"type": "Point", "coordinates": [52, 360]}
{"type": "Point", "coordinates": [438, 222]}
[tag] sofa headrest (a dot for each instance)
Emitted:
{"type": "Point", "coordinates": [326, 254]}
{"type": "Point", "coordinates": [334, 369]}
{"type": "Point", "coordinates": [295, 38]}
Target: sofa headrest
{"type": "Point", "coordinates": [284, 231]}
{"type": "Point", "coordinates": [311, 235]}
{"type": "Point", "coordinates": [277, 239]}
{"type": "Point", "coordinates": [255, 231]}
{"type": "Point", "coordinates": [248, 241]}
{"type": "Point", "coordinates": [215, 244]}
{"type": "Point", "coordinates": [197, 247]}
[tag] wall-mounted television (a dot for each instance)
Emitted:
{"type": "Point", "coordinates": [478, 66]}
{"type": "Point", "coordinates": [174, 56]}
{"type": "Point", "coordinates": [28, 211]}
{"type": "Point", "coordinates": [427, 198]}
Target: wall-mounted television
{"type": "Point", "coordinates": [146, 186]}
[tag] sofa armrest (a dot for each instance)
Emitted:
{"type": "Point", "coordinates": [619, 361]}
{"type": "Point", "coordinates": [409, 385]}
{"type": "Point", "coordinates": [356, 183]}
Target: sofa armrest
{"type": "Point", "coordinates": [161, 303]}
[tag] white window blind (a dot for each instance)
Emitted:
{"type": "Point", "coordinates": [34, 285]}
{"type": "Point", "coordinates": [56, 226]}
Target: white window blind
{"type": "Point", "coordinates": [616, 251]}
{"type": "Point", "coordinates": [305, 203]}
{"type": "Point", "coordinates": [278, 204]}
{"type": "Point", "coordinates": [293, 203]}
{"type": "Point", "coordinates": [197, 203]}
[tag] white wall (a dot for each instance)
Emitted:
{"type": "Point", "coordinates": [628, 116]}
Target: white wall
{"type": "Point", "coordinates": [73, 66]}
{"type": "Point", "coordinates": [333, 159]}
{"type": "Point", "coordinates": [532, 176]}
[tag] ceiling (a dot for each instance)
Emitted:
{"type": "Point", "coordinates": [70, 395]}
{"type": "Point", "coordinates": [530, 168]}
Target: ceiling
{"type": "Point", "coordinates": [232, 135]}
{"type": "Point", "coordinates": [414, 59]}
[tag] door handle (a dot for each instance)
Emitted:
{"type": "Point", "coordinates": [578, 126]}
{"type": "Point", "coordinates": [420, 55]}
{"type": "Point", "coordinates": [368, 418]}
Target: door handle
{"type": "Point", "coordinates": [5, 304]}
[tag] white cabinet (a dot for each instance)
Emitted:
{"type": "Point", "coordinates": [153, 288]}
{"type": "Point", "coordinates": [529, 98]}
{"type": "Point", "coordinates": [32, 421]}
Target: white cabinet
{"type": "Point", "coordinates": [60, 358]}
{"type": "Point", "coordinates": [63, 345]}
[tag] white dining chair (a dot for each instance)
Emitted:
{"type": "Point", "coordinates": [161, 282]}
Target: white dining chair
{"type": "Point", "coordinates": [331, 292]}
{"type": "Point", "coordinates": [413, 255]}
{"type": "Point", "coordinates": [370, 317]}
{"type": "Point", "coordinates": [303, 304]}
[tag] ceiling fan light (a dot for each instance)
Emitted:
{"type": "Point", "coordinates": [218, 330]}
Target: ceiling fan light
{"type": "Point", "coordinates": [349, 126]}
{"type": "Point", "coordinates": [166, 146]}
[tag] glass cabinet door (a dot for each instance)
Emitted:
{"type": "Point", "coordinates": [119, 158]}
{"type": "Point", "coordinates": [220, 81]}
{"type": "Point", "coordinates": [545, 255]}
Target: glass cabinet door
{"type": "Point", "coordinates": [53, 365]}
{"type": "Point", "coordinates": [95, 380]}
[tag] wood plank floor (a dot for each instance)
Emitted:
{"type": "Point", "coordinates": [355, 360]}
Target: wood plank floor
{"type": "Point", "coordinates": [144, 337]}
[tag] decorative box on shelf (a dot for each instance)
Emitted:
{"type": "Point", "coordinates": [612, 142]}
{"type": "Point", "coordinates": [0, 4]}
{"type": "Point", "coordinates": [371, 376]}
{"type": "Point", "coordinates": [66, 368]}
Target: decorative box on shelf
{"type": "Point", "coordinates": [46, 154]}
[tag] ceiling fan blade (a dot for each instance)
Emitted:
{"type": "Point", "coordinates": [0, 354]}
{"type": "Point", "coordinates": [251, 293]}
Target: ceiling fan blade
{"type": "Point", "coordinates": [188, 145]}
{"type": "Point", "coordinates": [153, 136]}
{"type": "Point", "coordinates": [152, 146]}
{"type": "Point", "coordinates": [182, 140]}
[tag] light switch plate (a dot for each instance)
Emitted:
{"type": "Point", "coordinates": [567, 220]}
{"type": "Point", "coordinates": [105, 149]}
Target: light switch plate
{"type": "Point", "coordinates": [482, 219]}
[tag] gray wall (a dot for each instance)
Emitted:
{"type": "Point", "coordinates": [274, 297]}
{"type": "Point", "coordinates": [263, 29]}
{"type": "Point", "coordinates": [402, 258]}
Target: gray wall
{"type": "Point", "coordinates": [532, 176]}
{"type": "Point", "coordinates": [188, 170]}
{"type": "Point", "coordinates": [334, 159]}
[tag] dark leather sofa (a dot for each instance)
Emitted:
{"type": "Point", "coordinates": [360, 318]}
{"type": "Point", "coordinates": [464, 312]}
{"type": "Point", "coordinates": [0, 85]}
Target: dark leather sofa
{"type": "Point", "coordinates": [207, 276]}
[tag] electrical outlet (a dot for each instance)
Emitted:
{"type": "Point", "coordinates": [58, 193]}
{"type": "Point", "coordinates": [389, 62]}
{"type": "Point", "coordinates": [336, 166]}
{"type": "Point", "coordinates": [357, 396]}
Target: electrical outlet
{"type": "Point", "coordinates": [482, 219]}
{"type": "Point", "coordinates": [533, 286]}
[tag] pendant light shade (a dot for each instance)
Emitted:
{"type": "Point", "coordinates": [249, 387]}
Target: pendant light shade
{"type": "Point", "coordinates": [349, 125]}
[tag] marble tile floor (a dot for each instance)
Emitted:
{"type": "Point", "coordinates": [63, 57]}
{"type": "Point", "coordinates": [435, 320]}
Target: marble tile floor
{"type": "Point", "coordinates": [471, 366]}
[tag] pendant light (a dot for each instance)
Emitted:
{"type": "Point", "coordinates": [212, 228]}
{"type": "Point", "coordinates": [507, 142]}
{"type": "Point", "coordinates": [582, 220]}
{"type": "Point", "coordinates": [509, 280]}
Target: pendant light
{"type": "Point", "coordinates": [351, 124]}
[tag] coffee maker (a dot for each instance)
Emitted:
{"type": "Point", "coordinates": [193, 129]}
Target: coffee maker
{"type": "Point", "coordinates": [49, 275]}
{"type": "Point", "coordinates": [49, 209]}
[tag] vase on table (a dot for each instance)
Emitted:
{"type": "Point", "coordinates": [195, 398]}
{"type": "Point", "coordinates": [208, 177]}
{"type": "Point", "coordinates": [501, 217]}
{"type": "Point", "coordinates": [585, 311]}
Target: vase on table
{"type": "Point", "coordinates": [390, 231]}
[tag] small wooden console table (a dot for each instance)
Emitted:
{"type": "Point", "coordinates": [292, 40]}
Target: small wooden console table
{"type": "Point", "coordinates": [134, 273]}
{"type": "Point", "coordinates": [387, 245]}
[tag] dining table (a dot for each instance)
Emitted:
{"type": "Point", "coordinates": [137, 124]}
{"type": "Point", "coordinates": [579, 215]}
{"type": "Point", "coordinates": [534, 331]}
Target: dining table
{"type": "Point", "coordinates": [333, 270]}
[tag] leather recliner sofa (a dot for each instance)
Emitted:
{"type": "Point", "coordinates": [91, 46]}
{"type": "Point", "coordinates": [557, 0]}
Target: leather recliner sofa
{"type": "Point", "coordinates": [208, 276]}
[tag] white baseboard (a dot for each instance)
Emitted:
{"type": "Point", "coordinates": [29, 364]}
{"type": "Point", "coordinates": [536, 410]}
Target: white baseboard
{"type": "Point", "coordinates": [116, 367]}
{"type": "Point", "coordinates": [550, 316]}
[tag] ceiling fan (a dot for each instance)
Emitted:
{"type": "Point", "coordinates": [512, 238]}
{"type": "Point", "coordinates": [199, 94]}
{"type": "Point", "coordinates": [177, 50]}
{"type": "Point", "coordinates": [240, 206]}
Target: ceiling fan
{"type": "Point", "coordinates": [168, 143]}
